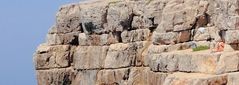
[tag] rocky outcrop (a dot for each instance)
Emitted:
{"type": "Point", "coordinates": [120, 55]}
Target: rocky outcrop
{"type": "Point", "coordinates": [141, 42]}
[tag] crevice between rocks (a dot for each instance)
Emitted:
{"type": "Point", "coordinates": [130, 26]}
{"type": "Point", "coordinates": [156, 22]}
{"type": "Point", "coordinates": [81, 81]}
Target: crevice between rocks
{"type": "Point", "coordinates": [200, 21]}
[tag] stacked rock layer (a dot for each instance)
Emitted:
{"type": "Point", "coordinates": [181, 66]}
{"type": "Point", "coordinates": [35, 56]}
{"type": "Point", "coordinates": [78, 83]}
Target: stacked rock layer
{"type": "Point", "coordinates": [141, 42]}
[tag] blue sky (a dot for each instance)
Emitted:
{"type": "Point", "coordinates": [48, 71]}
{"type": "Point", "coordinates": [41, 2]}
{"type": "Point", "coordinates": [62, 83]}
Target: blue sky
{"type": "Point", "coordinates": [23, 26]}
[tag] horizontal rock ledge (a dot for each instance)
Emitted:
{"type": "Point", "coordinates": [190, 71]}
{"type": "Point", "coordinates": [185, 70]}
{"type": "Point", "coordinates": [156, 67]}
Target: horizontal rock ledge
{"type": "Point", "coordinates": [201, 62]}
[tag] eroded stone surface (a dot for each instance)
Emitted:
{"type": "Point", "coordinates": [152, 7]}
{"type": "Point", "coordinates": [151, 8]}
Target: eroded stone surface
{"type": "Point", "coordinates": [228, 62]}
{"type": "Point", "coordinates": [232, 36]}
{"type": "Point", "coordinates": [233, 78]}
{"type": "Point", "coordinates": [55, 76]}
{"type": "Point", "coordinates": [53, 56]}
{"type": "Point", "coordinates": [135, 35]}
{"type": "Point", "coordinates": [195, 79]}
{"type": "Point", "coordinates": [141, 42]}
{"type": "Point", "coordinates": [85, 77]}
{"type": "Point", "coordinates": [90, 57]}
{"type": "Point", "coordinates": [120, 55]}
{"type": "Point", "coordinates": [143, 76]}
{"type": "Point", "coordinates": [182, 61]}
{"type": "Point", "coordinates": [113, 77]}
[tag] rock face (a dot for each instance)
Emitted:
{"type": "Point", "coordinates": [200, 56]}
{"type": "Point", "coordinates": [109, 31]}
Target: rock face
{"type": "Point", "coordinates": [141, 42]}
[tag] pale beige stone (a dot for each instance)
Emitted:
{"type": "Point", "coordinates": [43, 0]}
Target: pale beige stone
{"type": "Point", "coordinates": [232, 36]}
{"type": "Point", "coordinates": [232, 78]}
{"type": "Point", "coordinates": [98, 40]}
{"type": "Point", "coordinates": [184, 60]}
{"type": "Point", "coordinates": [195, 79]}
{"type": "Point", "coordinates": [165, 38]}
{"type": "Point", "coordinates": [229, 62]}
{"type": "Point", "coordinates": [53, 56]}
{"type": "Point", "coordinates": [64, 76]}
{"type": "Point", "coordinates": [85, 77]}
{"type": "Point", "coordinates": [113, 77]}
{"type": "Point", "coordinates": [143, 76]}
{"type": "Point", "coordinates": [140, 42]}
{"type": "Point", "coordinates": [90, 57]}
{"type": "Point", "coordinates": [135, 35]}
{"type": "Point", "coordinates": [120, 55]}
{"type": "Point", "coordinates": [62, 39]}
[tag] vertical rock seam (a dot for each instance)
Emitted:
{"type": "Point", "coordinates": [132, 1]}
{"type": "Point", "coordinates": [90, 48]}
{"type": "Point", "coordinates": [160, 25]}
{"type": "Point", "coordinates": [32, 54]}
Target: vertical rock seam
{"type": "Point", "coordinates": [141, 42]}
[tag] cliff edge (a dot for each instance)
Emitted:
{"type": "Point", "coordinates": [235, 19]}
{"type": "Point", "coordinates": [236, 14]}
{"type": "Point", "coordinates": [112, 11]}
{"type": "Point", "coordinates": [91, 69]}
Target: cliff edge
{"type": "Point", "coordinates": [141, 42]}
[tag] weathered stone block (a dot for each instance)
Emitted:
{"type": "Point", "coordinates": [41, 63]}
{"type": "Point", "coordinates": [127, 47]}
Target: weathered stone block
{"type": "Point", "coordinates": [140, 22]}
{"type": "Point", "coordinates": [70, 24]}
{"type": "Point", "coordinates": [66, 11]}
{"type": "Point", "coordinates": [93, 16]}
{"type": "Point", "coordinates": [64, 76]}
{"type": "Point", "coordinates": [230, 48]}
{"type": "Point", "coordinates": [158, 49]}
{"type": "Point", "coordinates": [184, 36]}
{"type": "Point", "coordinates": [202, 36]}
{"type": "Point", "coordinates": [119, 16]}
{"type": "Point", "coordinates": [52, 56]}
{"type": "Point", "coordinates": [120, 55]}
{"type": "Point", "coordinates": [97, 40]}
{"type": "Point", "coordinates": [214, 33]}
{"type": "Point", "coordinates": [85, 77]}
{"type": "Point", "coordinates": [203, 62]}
{"type": "Point", "coordinates": [178, 16]}
{"type": "Point", "coordinates": [143, 76]}
{"type": "Point", "coordinates": [232, 36]}
{"type": "Point", "coordinates": [135, 35]}
{"type": "Point", "coordinates": [90, 57]}
{"type": "Point", "coordinates": [233, 78]}
{"type": "Point", "coordinates": [62, 39]}
{"type": "Point", "coordinates": [67, 20]}
{"type": "Point", "coordinates": [165, 38]}
{"type": "Point", "coordinates": [195, 79]}
{"type": "Point", "coordinates": [113, 77]}
{"type": "Point", "coordinates": [228, 62]}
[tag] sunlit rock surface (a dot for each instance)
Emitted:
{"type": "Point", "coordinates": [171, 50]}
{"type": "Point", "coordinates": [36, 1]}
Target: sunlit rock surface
{"type": "Point", "coordinates": [141, 42]}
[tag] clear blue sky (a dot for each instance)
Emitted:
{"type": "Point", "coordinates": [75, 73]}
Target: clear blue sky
{"type": "Point", "coordinates": [23, 26]}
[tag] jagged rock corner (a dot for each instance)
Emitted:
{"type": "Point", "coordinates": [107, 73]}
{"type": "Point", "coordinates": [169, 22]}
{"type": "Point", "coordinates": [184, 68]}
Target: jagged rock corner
{"type": "Point", "coordinates": [141, 42]}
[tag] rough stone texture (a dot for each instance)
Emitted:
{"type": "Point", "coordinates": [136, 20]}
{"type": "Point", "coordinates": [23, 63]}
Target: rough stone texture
{"type": "Point", "coordinates": [228, 62]}
{"type": "Point", "coordinates": [64, 76]}
{"type": "Point", "coordinates": [143, 76]}
{"type": "Point", "coordinates": [203, 62]}
{"type": "Point", "coordinates": [165, 38]}
{"type": "Point", "coordinates": [232, 36]}
{"type": "Point", "coordinates": [120, 55]}
{"type": "Point", "coordinates": [98, 40]}
{"type": "Point", "coordinates": [113, 77]}
{"type": "Point", "coordinates": [135, 35]}
{"type": "Point", "coordinates": [90, 57]}
{"type": "Point", "coordinates": [84, 77]}
{"type": "Point", "coordinates": [141, 42]}
{"type": "Point", "coordinates": [202, 36]}
{"type": "Point", "coordinates": [53, 56]}
{"type": "Point", "coordinates": [187, 62]}
{"type": "Point", "coordinates": [233, 78]}
{"type": "Point", "coordinates": [195, 79]}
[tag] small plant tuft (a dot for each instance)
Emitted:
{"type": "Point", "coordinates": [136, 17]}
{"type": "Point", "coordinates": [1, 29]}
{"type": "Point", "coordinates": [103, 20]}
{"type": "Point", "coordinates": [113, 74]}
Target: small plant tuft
{"type": "Point", "coordinates": [200, 48]}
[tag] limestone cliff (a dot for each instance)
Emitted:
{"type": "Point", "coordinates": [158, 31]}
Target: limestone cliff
{"type": "Point", "coordinates": [141, 42]}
